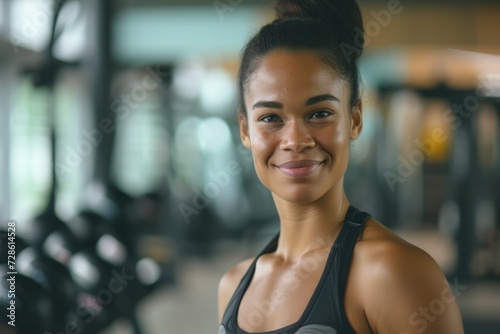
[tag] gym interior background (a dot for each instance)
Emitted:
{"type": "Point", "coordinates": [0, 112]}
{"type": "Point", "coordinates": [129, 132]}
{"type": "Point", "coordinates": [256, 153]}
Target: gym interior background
{"type": "Point", "coordinates": [131, 194]}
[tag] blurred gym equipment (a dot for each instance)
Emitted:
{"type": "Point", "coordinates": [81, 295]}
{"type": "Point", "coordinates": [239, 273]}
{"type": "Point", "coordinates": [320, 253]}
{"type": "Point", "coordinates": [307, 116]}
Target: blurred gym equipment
{"type": "Point", "coordinates": [83, 274]}
{"type": "Point", "coordinates": [448, 151]}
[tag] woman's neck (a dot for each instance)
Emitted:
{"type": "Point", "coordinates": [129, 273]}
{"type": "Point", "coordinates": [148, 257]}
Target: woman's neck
{"type": "Point", "coordinates": [309, 226]}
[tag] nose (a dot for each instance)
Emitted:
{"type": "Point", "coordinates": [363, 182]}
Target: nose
{"type": "Point", "coordinates": [296, 137]}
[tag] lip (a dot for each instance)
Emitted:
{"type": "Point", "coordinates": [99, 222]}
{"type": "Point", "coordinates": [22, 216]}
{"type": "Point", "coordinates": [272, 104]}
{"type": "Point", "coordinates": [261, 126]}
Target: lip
{"type": "Point", "coordinates": [299, 168]}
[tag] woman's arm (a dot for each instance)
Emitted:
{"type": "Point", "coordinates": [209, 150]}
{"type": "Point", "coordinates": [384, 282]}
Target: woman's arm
{"type": "Point", "coordinates": [405, 291]}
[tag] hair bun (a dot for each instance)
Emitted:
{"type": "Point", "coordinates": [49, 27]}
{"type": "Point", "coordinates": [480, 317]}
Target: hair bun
{"type": "Point", "coordinates": [343, 15]}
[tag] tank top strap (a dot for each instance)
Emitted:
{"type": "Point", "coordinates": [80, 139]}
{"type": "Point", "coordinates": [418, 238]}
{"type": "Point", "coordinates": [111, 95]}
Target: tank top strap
{"type": "Point", "coordinates": [231, 308]}
{"type": "Point", "coordinates": [355, 220]}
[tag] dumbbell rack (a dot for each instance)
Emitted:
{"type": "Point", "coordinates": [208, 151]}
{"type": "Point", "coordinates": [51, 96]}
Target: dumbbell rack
{"type": "Point", "coordinates": [457, 77]}
{"type": "Point", "coordinates": [55, 292]}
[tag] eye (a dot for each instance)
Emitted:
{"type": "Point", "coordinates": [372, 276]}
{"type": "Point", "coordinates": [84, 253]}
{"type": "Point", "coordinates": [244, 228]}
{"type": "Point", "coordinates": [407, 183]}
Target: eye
{"type": "Point", "coordinates": [321, 114]}
{"type": "Point", "coordinates": [270, 119]}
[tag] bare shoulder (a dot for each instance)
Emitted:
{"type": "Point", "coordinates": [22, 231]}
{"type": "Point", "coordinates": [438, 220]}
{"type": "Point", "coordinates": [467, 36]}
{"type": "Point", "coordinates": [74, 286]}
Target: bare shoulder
{"type": "Point", "coordinates": [233, 276]}
{"type": "Point", "coordinates": [229, 282]}
{"type": "Point", "coordinates": [388, 257]}
{"type": "Point", "coordinates": [399, 284]}
{"type": "Point", "coordinates": [379, 245]}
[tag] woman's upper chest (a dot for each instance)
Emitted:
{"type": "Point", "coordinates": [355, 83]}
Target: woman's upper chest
{"type": "Point", "coordinates": [278, 293]}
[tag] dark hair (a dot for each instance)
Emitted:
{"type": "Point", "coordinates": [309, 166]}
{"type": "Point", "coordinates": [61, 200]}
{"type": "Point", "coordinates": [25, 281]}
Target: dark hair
{"type": "Point", "coordinates": [331, 28]}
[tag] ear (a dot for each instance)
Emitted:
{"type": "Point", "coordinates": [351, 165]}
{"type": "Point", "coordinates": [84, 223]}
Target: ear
{"type": "Point", "coordinates": [356, 120]}
{"type": "Point", "coordinates": [245, 137]}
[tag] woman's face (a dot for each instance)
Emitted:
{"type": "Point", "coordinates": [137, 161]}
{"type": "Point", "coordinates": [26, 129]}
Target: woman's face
{"type": "Point", "coordinates": [299, 125]}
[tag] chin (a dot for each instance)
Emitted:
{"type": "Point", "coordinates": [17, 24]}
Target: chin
{"type": "Point", "coordinates": [300, 195]}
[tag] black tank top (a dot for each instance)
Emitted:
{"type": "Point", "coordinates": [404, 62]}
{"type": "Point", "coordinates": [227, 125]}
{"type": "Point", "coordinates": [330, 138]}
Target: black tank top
{"type": "Point", "coordinates": [324, 314]}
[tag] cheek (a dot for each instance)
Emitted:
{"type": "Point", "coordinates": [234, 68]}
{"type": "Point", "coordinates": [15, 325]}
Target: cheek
{"type": "Point", "coordinates": [342, 133]}
{"type": "Point", "coordinates": [261, 141]}
{"type": "Point", "coordinates": [337, 136]}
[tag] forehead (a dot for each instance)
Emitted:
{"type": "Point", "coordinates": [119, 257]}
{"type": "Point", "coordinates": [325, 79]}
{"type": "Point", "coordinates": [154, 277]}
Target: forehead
{"type": "Point", "coordinates": [294, 74]}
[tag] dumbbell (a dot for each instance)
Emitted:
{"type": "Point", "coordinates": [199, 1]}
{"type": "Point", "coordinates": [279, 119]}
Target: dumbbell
{"type": "Point", "coordinates": [105, 291]}
{"type": "Point", "coordinates": [82, 231]}
{"type": "Point", "coordinates": [78, 306]}
{"type": "Point", "coordinates": [34, 312]}
{"type": "Point", "coordinates": [112, 268]}
{"type": "Point", "coordinates": [73, 309]}
{"type": "Point", "coordinates": [61, 244]}
{"type": "Point", "coordinates": [68, 248]}
{"type": "Point", "coordinates": [33, 307]}
{"type": "Point", "coordinates": [40, 264]}
{"type": "Point", "coordinates": [56, 279]}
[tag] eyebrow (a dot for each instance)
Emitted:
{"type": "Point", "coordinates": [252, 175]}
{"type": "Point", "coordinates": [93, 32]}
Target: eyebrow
{"type": "Point", "coordinates": [267, 104]}
{"type": "Point", "coordinates": [310, 101]}
{"type": "Point", "coordinates": [321, 98]}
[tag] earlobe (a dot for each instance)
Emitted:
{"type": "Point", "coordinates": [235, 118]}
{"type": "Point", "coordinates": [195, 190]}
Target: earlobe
{"type": "Point", "coordinates": [357, 120]}
{"type": "Point", "coordinates": [245, 138]}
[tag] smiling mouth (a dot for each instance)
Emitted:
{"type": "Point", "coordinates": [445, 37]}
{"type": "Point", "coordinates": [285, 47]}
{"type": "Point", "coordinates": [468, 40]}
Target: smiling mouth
{"type": "Point", "coordinates": [299, 168]}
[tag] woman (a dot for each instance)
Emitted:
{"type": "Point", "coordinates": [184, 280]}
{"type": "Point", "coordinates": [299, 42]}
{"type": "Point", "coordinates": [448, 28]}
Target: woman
{"type": "Point", "coordinates": [332, 268]}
